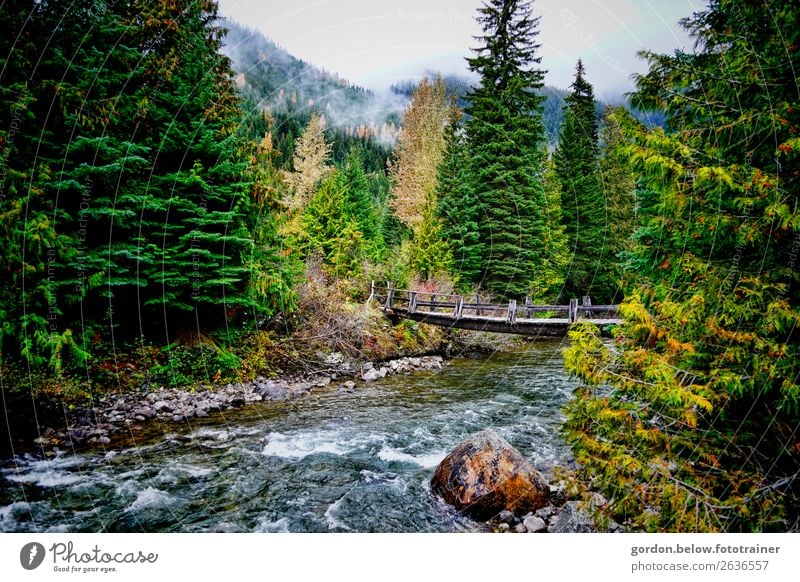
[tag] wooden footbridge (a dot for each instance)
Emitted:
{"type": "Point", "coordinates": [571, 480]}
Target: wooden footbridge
{"type": "Point", "coordinates": [449, 310]}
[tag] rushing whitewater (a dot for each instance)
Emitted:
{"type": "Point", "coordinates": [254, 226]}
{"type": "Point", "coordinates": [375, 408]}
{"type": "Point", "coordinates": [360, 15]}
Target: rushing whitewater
{"type": "Point", "coordinates": [334, 461]}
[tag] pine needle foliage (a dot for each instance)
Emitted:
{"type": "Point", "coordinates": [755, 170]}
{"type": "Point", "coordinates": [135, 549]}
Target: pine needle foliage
{"type": "Point", "coordinates": [689, 420]}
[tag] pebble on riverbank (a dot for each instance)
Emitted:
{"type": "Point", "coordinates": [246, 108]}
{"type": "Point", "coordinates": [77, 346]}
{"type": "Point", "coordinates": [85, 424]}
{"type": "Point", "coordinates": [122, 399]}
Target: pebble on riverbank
{"type": "Point", "coordinates": [557, 517]}
{"type": "Point", "coordinates": [119, 414]}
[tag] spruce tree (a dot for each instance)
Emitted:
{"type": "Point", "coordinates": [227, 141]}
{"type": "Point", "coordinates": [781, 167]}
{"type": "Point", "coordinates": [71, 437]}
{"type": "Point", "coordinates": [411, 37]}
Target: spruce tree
{"type": "Point", "coordinates": [548, 282]}
{"type": "Point", "coordinates": [583, 205]}
{"type": "Point", "coordinates": [689, 423]}
{"type": "Point", "coordinates": [329, 230]}
{"type": "Point", "coordinates": [129, 197]}
{"type": "Point", "coordinates": [359, 202]}
{"type": "Point", "coordinates": [617, 182]}
{"type": "Point", "coordinates": [506, 140]}
{"type": "Point", "coordinates": [458, 208]}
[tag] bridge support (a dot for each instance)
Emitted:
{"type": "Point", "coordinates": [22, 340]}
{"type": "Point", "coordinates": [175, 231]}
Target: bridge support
{"type": "Point", "coordinates": [512, 312]}
{"type": "Point", "coordinates": [573, 311]}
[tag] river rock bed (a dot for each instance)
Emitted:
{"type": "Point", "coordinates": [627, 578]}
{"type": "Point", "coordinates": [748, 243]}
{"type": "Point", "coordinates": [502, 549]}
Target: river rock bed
{"type": "Point", "coordinates": [115, 415]}
{"type": "Point", "coordinates": [572, 517]}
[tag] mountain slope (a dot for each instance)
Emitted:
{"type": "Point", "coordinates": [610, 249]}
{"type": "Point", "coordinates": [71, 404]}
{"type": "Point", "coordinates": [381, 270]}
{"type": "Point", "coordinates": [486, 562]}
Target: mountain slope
{"type": "Point", "coordinates": [276, 80]}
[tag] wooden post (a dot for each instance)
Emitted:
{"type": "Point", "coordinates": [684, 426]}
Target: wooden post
{"type": "Point", "coordinates": [573, 310]}
{"type": "Point", "coordinates": [459, 306]}
{"type": "Point", "coordinates": [528, 312]}
{"type": "Point", "coordinates": [371, 291]}
{"type": "Point", "coordinates": [412, 302]}
{"type": "Point", "coordinates": [389, 297]}
{"type": "Point", "coordinates": [587, 302]}
{"type": "Point", "coordinates": [478, 304]}
{"type": "Point", "coordinates": [433, 302]}
{"type": "Point", "coordinates": [512, 312]}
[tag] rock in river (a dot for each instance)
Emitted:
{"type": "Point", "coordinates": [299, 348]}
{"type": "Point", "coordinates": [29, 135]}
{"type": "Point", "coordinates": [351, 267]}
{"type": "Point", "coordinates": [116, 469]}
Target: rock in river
{"type": "Point", "coordinates": [485, 475]}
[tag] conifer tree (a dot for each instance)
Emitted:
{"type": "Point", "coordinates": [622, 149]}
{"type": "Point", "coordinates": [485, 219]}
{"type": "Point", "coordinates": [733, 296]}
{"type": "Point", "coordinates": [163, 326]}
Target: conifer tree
{"type": "Point", "coordinates": [272, 267]}
{"type": "Point", "coordinates": [329, 230]}
{"type": "Point", "coordinates": [618, 186]}
{"type": "Point", "coordinates": [358, 201]}
{"type": "Point", "coordinates": [583, 205]}
{"type": "Point", "coordinates": [312, 154]}
{"type": "Point", "coordinates": [506, 140]}
{"type": "Point", "coordinates": [548, 281]}
{"type": "Point", "coordinates": [134, 184]}
{"type": "Point", "coordinates": [690, 422]}
{"type": "Point", "coordinates": [419, 154]}
{"type": "Point", "coordinates": [458, 208]}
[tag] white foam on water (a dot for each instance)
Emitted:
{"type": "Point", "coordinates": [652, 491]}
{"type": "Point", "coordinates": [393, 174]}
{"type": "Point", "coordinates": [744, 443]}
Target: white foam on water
{"type": "Point", "coordinates": [390, 454]}
{"type": "Point", "coordinates": [216, 434]}
{"type": "Point", "coordinates": [302, 444]}
{"type": "Point", "coordinates": [10, 514]}
{"type": "Point", "coordinates": [46, 478]}
{"type": "Point", "coordinates": [299, 447]}
{"type": "Point", "coordinates": [149, 498]}
{"type": "Point", "coordinates": [331, 519]}
{"type": "Point", "coordinates": [181, 472]}
{"type": "Point", "coordinates": [46, 472]}
{"type": "Point", "coordinates": [279, 526]}
{"type": "Point", "coordinates": [371, 476]}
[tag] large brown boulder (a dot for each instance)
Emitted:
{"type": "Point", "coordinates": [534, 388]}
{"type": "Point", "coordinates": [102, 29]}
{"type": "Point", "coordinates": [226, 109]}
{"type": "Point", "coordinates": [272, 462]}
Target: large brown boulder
{"type": "Point", "coordinates": [484, 475]}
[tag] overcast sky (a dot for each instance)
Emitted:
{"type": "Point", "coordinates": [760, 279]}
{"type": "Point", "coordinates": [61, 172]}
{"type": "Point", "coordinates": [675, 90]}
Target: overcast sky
{"type": "Point", "coordinates": [377, 42]}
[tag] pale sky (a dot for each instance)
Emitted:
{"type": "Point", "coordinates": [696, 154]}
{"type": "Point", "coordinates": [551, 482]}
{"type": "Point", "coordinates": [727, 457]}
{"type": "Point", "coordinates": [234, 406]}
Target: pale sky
{"type": "Point", "coordinates": [375, 43]}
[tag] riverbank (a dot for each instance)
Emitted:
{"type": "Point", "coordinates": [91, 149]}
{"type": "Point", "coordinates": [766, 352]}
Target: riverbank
{"type": "Point", "coordinates": [334, 460]}
{"type": "Point", "coordinates": [126, 414]}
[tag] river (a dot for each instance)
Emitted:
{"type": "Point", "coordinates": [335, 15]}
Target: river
{"type": "Point", "coordinates": [333, 461]}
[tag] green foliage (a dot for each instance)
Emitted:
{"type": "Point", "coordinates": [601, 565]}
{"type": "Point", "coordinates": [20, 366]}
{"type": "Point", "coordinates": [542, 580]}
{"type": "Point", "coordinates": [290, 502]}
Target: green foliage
{"type": "Point", "coordinates": [272, 269]}
{"type": "Point", "coordinates": [127, 196]}
{"type": "Point", "coordinates": [548, 280]}
{"type": "Point", "coordinates": [506, 139]}
{"type": "Point", "coordinates": [458, 209]}
{"type": "Point", "coordinates": [330, 231]}
{"type": "Point", "coordinates": [618, 185]}
{"type": "Point", "coordinates": [430, 252]}
{"type": "Point", "coordinates": [359, 202]}
{"type": "Point", "coordinates": [182, 365]}
{"type": "Point", "coordinates": [688, 422]}
{"type": "Point", "coordinates": [584, 212]}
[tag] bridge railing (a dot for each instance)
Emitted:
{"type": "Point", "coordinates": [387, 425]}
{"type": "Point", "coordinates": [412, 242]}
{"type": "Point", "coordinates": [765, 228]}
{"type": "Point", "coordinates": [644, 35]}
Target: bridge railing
{"type": "Point", "coordinates": [457, 306]}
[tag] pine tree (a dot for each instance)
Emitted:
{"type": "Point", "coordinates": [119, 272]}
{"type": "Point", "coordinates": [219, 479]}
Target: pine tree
{"type": "Point", "coordinates": [584, 209]}
{"type": "Point", "coordinates": [133, 182]}
{"type": "Point", "coordinates": [690, 422]}
{"type": "Point", "coordinates": [35, 249]}
{"type": "Point", "coordinates": [548, 281]}
{"type": "Point", "coordinates": [506, 140]}
{"type": "Point", "coordinates": [329, 230]}
{"type": "Point", "coordinates": [192, 232]}
{"type": "Point", "coordinates": [458, 208]}
{"type": "Point", "coordinates": [359, 202]}
{"type": "Point", "coordinates": [618, 185]}
{"type": "Point", "coordinates": [272, 267]}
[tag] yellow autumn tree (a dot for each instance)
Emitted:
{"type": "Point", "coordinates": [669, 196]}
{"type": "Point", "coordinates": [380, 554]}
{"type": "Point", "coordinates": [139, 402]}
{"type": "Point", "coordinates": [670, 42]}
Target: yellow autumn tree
{"type": "Point", "coordinates": [420, 150]}
{"type": "Point", "coordinates": [310, 163]}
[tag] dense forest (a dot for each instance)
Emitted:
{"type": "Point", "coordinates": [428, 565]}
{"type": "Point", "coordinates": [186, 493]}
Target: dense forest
{"type": "Point", "coordinates": [178, 193]}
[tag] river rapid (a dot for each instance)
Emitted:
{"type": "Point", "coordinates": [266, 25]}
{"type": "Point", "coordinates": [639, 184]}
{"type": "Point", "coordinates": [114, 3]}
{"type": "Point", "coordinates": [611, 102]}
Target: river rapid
{"type": "Point", "coordinates": [336, 460]}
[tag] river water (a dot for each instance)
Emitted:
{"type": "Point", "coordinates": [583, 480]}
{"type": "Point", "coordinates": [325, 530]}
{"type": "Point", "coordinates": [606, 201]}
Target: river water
{"type": "Point", "coordinates": [332, 461]}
